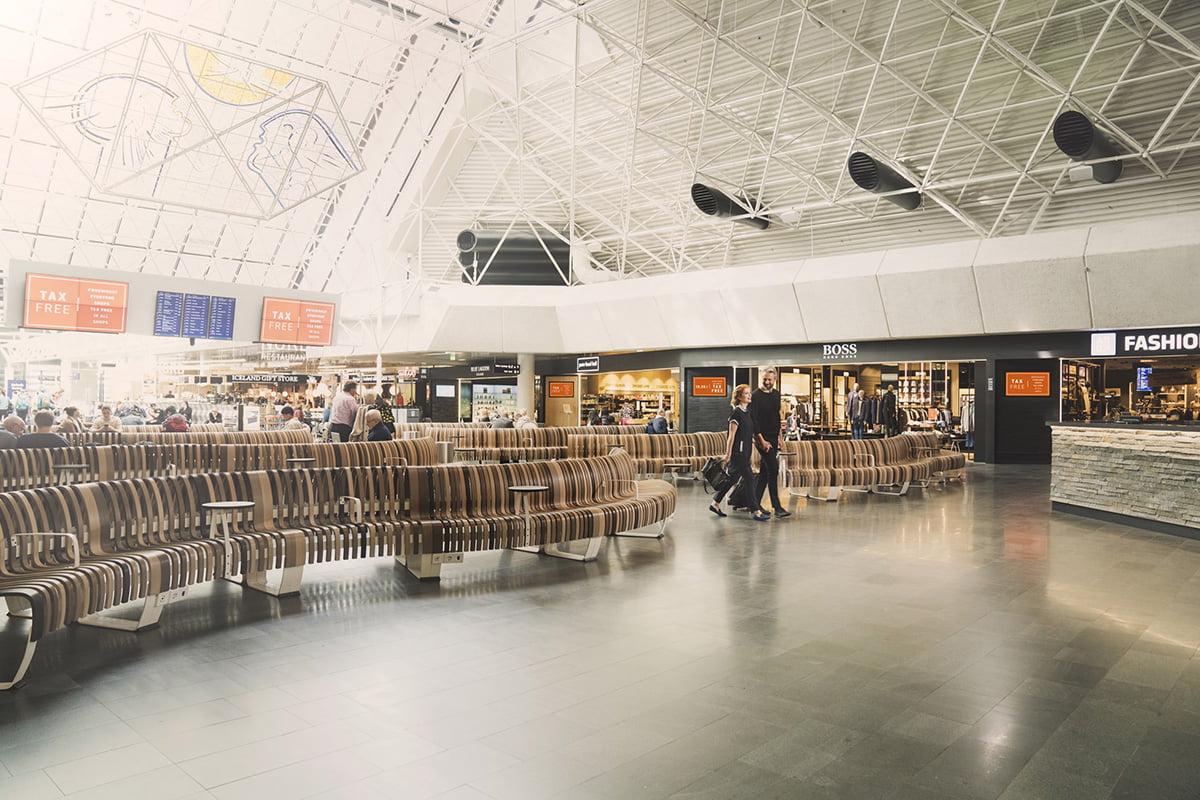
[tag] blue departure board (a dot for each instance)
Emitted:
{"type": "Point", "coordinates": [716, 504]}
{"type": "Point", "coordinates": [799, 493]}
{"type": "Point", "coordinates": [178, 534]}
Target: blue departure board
{"type": "Point", "coordinates": [220, 318]}
{"type": "Point", "coordinates": [195, 316]}
{"type": "Point", "coordinates": [168, 313]}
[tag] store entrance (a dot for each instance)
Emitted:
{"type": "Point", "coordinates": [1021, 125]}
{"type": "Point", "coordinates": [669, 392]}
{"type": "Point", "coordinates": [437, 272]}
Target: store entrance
{"type": "Point", "coordinates": [926, 395]}
{"type": "Point", "coordinates": [1165, 389]}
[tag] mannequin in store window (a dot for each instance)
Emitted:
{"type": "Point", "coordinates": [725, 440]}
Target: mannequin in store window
{"type": "Point", "coordinates": [888, 408]}
{"type": "Point", "coordinates": [1083, 398]}
{"type": "Point", "coordinates": [855, 408]}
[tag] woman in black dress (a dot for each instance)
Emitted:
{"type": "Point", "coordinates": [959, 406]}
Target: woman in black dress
{"type": "Point", "coordinates": [738, 448]}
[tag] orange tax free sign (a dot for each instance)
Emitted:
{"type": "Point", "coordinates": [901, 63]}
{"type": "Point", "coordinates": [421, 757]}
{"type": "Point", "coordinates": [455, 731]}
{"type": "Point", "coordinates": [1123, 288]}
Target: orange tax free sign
{"type": "Point", "coordinates": [708, 387]}
{"type": "Point", "coordinates": [53, 302]}
{"type": "Point", "coordinates": [562, 389]}
{"type": "Point", "coordinates": [301, 322]}
{"type": "Point", "coordinates": [1027, 384]}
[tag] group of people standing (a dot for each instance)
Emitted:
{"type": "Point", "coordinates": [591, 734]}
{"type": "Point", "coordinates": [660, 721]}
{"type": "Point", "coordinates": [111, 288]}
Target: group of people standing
{"type": "Point", "coordinates": [754, 424]}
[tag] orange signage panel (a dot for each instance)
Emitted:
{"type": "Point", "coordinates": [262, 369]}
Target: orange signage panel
{"type": "Point", "coordinates": [301, 322]}
{"type": "Point", "coordinates": [562, 388]}
{"type": "Point", "coordinates": [1027, 384]}
{"type": "Point", "coordinates": [53, 302]}
{"type": "Point", "coordinates": [708, 387]}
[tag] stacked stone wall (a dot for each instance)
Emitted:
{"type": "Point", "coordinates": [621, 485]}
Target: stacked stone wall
{"type": "Point", "coordinates": [1150, 474]}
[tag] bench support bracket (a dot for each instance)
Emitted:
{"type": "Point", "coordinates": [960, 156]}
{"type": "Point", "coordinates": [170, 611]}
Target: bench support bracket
{"type": "Point", "coordinates": [19, 674]}
{"type": "Point", "coordinates": [424, 567]}
{"type": "Point", "coordinates": [289, 581]}
{"type": "Point", "coordinates": [152, 608]}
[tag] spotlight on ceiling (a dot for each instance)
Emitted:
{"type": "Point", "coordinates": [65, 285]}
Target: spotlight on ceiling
{"type": "Point", "coordinates": [1079, 138]}
{"type": "Point", "coordinates": [716, 203]}
{"type": "Point", "coordinates": [879, 178]}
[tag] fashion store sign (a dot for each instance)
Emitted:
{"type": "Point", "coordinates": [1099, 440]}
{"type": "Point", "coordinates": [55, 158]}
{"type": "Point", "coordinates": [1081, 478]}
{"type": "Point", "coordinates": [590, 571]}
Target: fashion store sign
{"type": "Point", "coordinates": [1160, 341]}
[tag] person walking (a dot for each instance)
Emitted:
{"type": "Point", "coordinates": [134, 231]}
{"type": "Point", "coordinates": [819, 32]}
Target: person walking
{"type": "Point", "coordinates": [765, 412]}
{"type": "Point", "coordinates": [738, 447]}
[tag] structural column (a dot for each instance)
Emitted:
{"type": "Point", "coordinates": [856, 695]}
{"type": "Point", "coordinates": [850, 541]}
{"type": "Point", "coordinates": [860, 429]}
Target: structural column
{"type": "Point", "coordinates": [525, 398]}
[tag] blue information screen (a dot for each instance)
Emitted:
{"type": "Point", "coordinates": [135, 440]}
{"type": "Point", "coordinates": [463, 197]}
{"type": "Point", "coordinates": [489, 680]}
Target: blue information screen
{"type": "Point", "coordinates": [1143, 378]}
{"type": "Point", "coordinates": [168, 313]}
{"type": "Point", "coordinates": [220, 318]}
{"type": "Point", "coordinates": [195, 316]}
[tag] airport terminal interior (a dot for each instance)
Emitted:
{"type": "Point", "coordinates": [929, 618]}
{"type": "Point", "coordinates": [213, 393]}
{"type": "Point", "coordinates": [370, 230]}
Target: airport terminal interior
{"type": "Point", "coordinates": [375, 379]}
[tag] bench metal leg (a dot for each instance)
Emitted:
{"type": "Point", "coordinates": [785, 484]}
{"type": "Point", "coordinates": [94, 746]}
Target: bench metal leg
{"type": "Point", "coordinates": [151, 610]}
{"type": "Point", "coordinates": [900, 490]}
{"type": "Point", "coordinates": [639, 534]}
{"type": "Point", "coordinates": [593, 550]}
{"type": "Point", "coordinates": [830, 494]}
{"type": "Point", "coordinates": [18, 608]}
{"type": "Point", "coordinates": [289, 581]}
{"type": "Point", "coordinates": [423, 567]}
{"type": "Point", "coordinates": [19, 674]}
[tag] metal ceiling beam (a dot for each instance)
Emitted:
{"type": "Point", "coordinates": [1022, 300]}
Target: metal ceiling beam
{"type": "Point", "coordinates": [733, 124]}
{"type": "Point", "coordinates": [819, 108]}
{"type": "Point", "coordinates": [1039, 74]}
{"type": "Point", "coordinates": [952, 116]}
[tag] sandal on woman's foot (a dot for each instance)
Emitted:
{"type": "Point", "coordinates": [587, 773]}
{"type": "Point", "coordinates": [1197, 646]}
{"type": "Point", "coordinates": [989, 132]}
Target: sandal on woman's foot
{"type": "Point", "coordinates": [716, 509]}
{"type": "Point", "coordinates": [761, 516]}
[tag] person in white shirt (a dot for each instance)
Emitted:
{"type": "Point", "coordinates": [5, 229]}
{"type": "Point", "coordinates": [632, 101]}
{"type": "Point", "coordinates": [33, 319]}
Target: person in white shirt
{"type": "Point", "coordinates": [343, 411]}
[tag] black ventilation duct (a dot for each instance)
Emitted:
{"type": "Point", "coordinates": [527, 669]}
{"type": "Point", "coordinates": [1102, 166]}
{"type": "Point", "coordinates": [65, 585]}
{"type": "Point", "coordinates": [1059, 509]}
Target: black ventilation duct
{"type": "Point", "coordinates": [516, 259]}
{"type": "Point", "coordinates": [1076, 136]}
{"type": "Point", "coordinates": [879, 178]}
{"type": "Point", "coordinates": [716, 203]}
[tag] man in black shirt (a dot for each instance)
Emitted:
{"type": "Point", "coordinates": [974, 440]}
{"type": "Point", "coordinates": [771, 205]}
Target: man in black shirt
{"type": "Point", "coordinates": [764, 410]}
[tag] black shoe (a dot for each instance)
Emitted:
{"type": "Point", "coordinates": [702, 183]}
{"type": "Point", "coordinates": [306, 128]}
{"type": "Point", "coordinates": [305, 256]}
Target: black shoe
{"type": "Point", "coordinates": [782, 512]}
{"type": "Point", "coordinates": [761, 516]}
{"type": "Point", "coordinates": [717, 510]}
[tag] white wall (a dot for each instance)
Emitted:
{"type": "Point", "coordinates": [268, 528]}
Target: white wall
{"type": "Point", "coordinates": [1145, 273]}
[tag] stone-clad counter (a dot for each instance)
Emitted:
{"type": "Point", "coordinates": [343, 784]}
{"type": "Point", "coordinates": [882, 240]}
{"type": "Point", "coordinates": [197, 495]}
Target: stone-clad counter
{"type": "Point", "coordinates": [1148, 472]}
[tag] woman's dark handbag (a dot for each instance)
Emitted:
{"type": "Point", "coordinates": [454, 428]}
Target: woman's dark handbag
{"type": "Point", "coordinates": [715, 475]}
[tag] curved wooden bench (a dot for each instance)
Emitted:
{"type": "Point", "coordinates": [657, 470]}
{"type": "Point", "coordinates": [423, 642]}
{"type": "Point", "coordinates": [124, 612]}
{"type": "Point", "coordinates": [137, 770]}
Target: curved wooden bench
{"type": "Point", "coordinates": [652, 453]}
{"type": "Point", "coordinates": [70, 553]}
{"type": "Point", "coordinates": [28, 468]}
{"type": "Point", "coordinates": [832, 466]}
{"type": "Point", "coordinates": [200, 427]}
{"type": "Point", "coordinates": [459, 508]}
{"type": "Point", "coordinates": [296, 436]}
{"type": "Point", "coordinates": [518, 444]}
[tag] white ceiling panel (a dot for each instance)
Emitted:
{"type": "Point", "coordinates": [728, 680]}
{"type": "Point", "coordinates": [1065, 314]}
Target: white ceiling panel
{"type": "Point", "coordinates": [941, 302]}
{"type": "Point", "coordinates": [848, 309]}
{"type": "Point", "coordinates": [1034, 295]}
{"type": "Point", "coordinates": [530, 329]}
{"type": "Point", "coordinates": [1158, 287]}
{"type": "Point", "coordinates": [694, 319]}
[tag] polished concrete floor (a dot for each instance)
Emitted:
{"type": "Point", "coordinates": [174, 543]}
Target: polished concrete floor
{"type": "Point", "coordinates": [957, 643]}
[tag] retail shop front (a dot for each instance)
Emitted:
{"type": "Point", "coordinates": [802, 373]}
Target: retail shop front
{"type": "Point", "coordinates": [603, 386]}
{"type": "Point", "coordinates": [471, 392]}
{"type": "Point", "coordinates": [995, 394]}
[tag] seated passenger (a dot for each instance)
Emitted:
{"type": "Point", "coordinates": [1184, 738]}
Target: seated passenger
{"type": "Point", "coordinates": [72, 421]}
{"type": "Point", "coordinates": [290, 419]}
{"type": "Point", "coordinates": [44, 436]}
{"type": "Point", "coordinates": [106, 421]}
{"type": "Point", "coordinates": [377, 431]}
{"type": "Point", "coordinates": [175, 423]}
{"type": "Point", "coordinates": [10, 430]}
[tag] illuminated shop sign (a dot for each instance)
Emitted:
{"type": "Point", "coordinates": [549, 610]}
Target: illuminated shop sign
{"type": "Point", "coordinates": [1158, 341]}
